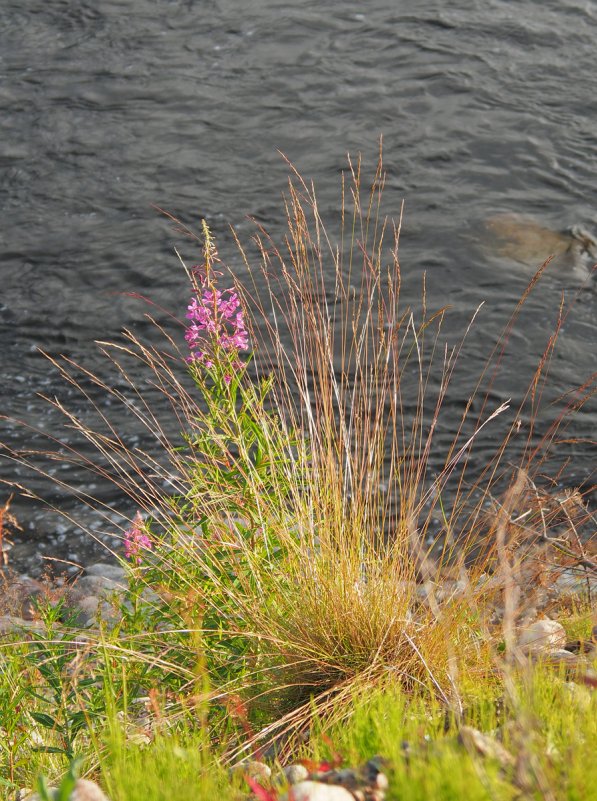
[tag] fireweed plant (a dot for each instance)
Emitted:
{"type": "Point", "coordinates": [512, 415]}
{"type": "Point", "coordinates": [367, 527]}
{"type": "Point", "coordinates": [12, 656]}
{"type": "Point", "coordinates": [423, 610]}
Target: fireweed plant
{"type": "Point", "coordinates": [136, 540]}
{"type": "Point", "coordinates": [304, 539]}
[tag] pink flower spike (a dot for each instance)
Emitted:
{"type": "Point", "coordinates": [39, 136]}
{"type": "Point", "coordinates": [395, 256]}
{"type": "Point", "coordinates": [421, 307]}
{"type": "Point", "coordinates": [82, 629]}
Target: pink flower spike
{"type": "Point", "coordinates": [216, 320]}
{"type": "Point", "coordinates": [136, 540]}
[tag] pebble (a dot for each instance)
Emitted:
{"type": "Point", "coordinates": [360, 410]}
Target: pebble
{"type": "Point", "coordinates": [255, 769]}
{"type": "Point", "coordinates": [12, 623]}
{"type": "Point", "coordinates": [543, 635]}
{"type": "Point", "coordinates": [346, 777]}
{"type": "Point", "coordinates": [474, 740]}
{"type": "Point", "coordinates": [106, 570]}
{"type": "Point", "coordinates": [576, 583]}
{"type": "Point", "coordinates": [316, 791]}
{"type": "Point", "coordinates": [24, 592]}
{"type": "Point", "coordinates": [365, 783]}
{"type": "Point", "coordinates": [295, 773]}
{"type": "Point", "coordinates": [85, 790]}
{"type": "Point", "coordinates": [560, 656]}
{"type": "Point", "coordinates": [85, 610]}
{"type": "Point", "coordinates": [97, 585]}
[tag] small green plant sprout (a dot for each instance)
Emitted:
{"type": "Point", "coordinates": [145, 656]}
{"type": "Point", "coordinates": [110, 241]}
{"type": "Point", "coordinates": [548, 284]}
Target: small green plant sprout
{"type": "Point", "coordinates": [62, 703]}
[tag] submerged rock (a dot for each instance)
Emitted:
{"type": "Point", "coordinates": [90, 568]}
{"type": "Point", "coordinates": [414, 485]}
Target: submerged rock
{"type": "Point", "coordinates": [523, 240]}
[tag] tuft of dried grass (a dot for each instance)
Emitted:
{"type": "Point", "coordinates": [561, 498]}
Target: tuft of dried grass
{"type": "Point", "coordinates": [328, 563]}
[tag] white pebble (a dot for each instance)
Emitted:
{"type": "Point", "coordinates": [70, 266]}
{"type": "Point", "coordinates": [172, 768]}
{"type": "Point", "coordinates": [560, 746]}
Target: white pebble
{"type": "Point", "coordinates": [316, 791]}
{"type": "Point", "coordinates": [543, 635]}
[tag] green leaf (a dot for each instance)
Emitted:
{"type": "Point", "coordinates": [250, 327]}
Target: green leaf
{"type": "Point", "coordinates": [44, 791]}
{"type": "Point", "coordinates": [89, 682]}
{"type": "Point", "coordinates": [67, 785]}
{"type": "Point", "coordinates": [44, 720]}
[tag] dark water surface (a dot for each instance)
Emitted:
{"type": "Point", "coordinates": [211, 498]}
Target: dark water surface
{"type": "Point", "coordinates": [107, 108]}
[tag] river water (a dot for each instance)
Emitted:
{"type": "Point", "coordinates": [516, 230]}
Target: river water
{"type": "Point", "coordinates": [107, 108]}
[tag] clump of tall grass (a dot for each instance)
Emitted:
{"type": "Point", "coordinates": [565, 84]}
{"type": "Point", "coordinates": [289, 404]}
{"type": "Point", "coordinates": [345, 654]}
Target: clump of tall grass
{"type": "Point", "coordinates": [290, 536]}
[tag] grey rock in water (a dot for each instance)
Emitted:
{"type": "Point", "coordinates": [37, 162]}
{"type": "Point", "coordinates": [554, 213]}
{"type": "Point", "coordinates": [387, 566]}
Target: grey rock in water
{"type": "Point", "coordinates": [524, 240]}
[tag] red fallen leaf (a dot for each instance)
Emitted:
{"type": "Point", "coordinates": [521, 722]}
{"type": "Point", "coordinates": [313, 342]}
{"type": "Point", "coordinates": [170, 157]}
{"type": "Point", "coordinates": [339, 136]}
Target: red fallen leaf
{"type": "Point", "coordinates": [261, 792]}
{"type": "Point", "coordinates": [315, 767]}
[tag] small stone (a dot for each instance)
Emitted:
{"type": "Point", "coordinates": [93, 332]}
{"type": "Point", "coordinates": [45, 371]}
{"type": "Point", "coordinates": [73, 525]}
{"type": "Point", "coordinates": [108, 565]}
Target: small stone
{"type": "Point", "coordinates": [560, 656]}
{"type": "Point", "coordinates": [374, 766]}
{"type": "Point", "coordinates": [255, 769]}
{"type": "Point", "coordinates": [295, 773]}
{"type": "Point", "coordinates": [88, 606]}
{"type": "Point", "coordinates": [575, 582]}
{"type": "Point", "coordinates": [105, 570]}
{"type": "Point", "coordinates": [11, 623]}
{"type": "Point", "coordinates": [581, 647]}
{"type": "Point", "coordinates": [86, 790]}
{"type": "Point", "coordinates": [474, 740]}
{"type": "Point", "coordinates": [381, 782]}
{"type": "Point", "coordinates": [344, 778]}
{"type": "Point", "coordinates": [26, 591]}
{"type": "Point", "coordinates": [97, 585]}
{"type": "Point", "coordinates": [543, 635]}
{"type": "Point", "coordinates": [316, 791]}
